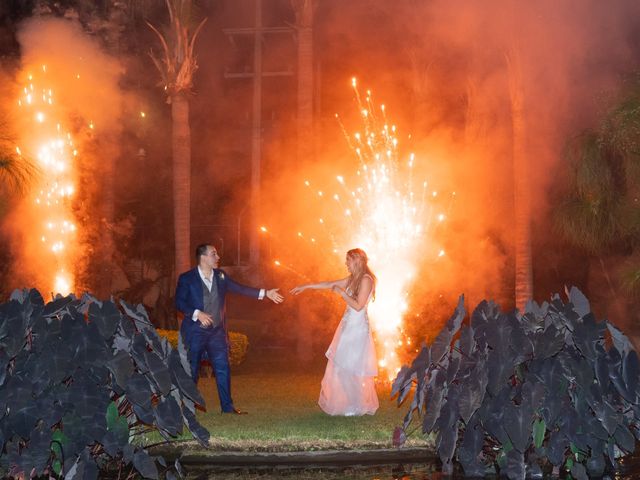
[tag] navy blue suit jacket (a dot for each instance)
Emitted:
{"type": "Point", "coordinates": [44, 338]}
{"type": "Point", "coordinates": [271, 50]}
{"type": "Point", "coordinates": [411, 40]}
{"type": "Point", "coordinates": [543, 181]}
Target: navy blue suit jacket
{"type": "Point", "coordinates": [189, 297]}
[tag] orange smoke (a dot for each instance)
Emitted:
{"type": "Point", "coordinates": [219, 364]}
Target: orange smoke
{"type": "Point", "coordinates": [66, 92]}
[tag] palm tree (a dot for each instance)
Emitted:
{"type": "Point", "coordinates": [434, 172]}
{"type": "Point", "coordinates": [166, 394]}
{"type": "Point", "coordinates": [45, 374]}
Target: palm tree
{"type": "Point", "coordinates": [177, 67]}
{"type": "Point", "coordinates": [304, 10]}
{"type": "Point", "coordinates": [600, 212]}
{"type": "Point", "coordinates": [587, 216]}
{"type": "Point", "coordinates": [621, 135]}
{"type": "Point", "coordinates": [522, 200]}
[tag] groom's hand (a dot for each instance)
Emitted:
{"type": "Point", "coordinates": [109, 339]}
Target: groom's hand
{"type": "Point", "coordinates": [274, 296]}
{"type": "Point", "coordinates": [205, 319]}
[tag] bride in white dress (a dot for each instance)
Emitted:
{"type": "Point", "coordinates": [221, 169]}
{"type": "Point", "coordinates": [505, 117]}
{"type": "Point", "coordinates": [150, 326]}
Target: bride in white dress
{"type": "Point", "coordinates": [348, 386]}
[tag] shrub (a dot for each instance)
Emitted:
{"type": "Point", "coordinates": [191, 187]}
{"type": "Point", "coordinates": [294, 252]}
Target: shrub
{"type": "Point", "coordinates": [79, 379]}
{"type": "Point", "coordinates": [548, 390]}
{"type": "Point", "coordinates": [238, 344]}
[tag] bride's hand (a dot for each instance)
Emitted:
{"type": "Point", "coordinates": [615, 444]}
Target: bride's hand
{"type": "Point", "coordinates": [298, 290]}
{"type": "Point", "coordinates": [337, 289]}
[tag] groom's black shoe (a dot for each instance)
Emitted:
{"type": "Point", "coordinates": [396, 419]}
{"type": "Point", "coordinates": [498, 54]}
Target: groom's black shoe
{"type": "Point", "coordinates": [236, 411]}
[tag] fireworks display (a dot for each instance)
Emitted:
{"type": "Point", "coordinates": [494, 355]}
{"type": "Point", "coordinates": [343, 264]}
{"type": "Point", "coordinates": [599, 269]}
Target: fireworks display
{"type": "Point", "coordinates": [383, 209]}
{"type": "Point", "coordinates": [46, 139]}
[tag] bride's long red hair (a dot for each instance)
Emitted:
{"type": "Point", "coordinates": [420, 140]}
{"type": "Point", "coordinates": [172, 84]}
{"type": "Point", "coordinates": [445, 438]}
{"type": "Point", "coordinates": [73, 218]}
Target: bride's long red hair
{"type": "Point", "coordinates": [360, 262]}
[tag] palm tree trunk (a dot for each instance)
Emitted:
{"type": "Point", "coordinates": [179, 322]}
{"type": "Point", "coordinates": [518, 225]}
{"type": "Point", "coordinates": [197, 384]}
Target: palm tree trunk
{"type": "Point", "coordinates": [256, 140]}
{"type": "Point", "coordinates": [181, 144]}
{"type": "Point", "coordinates": [522, 200]}
{"type": "Point", "coordinates": [304, 26]}
{"type": "Point", "coordinates": [305, 81]}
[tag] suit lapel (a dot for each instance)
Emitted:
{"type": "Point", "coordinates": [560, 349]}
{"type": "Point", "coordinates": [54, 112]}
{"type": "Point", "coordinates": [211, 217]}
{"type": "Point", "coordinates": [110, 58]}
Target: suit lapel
{"type": "Point", "coordinates": [197, 287]}
{"type": "Point", "coordinates": [216, 281]}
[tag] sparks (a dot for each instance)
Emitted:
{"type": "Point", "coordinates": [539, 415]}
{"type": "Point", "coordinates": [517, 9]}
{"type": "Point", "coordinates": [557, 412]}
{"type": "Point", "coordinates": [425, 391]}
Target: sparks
{"type": "Point", "coordinates": [382, 215]}
{"type": "Point", "coordinates": [53, 147]}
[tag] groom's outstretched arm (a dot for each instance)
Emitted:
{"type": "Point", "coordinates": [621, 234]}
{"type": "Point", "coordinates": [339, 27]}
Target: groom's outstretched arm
{"type": "Point", "coordinates": [235, 287]}
{"type": "Point", "coordinates": [238, 288]}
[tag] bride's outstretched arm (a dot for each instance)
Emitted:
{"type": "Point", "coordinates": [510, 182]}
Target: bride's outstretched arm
{"type": "Point", "coordinates": [342, 283]}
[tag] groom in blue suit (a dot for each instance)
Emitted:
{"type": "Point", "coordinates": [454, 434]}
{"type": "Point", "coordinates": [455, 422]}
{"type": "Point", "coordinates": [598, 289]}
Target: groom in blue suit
{"type": "Point", "coordinates": [200, 296]}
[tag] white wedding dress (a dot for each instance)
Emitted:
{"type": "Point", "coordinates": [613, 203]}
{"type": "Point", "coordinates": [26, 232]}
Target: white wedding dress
{"type": "Point", "coordinates": [348, 386]}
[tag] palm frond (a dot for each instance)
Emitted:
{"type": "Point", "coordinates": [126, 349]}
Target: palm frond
{"type": "Point", "coordinates": [178, 64]}
{"type": "Point", "coordinates": [16, 172]}
{"type": "Point", "coordinates": [630, 276]}
{"type": "Point", "coordinates": [590, 225]}
{"type": "Point", "coordinates": [621, 126]}
{"type": "Point", "coordinates": [593, 182]}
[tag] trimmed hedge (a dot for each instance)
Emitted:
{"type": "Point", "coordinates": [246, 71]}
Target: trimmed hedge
{"type": "Point", "coordinates": [238, 344]}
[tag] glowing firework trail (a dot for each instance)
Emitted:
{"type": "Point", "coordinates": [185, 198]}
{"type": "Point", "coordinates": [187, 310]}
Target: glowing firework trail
{"type": "Point", "coordinates": [384, 215]}
{"type": "Point", "coordinates": [46, 139]}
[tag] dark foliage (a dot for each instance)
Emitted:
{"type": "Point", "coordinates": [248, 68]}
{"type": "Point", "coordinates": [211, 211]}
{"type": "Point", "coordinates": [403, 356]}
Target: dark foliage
{"type": "Point", "coordinates": [551, 389]}
{"type": "Point", "coordinates": [79, 378]}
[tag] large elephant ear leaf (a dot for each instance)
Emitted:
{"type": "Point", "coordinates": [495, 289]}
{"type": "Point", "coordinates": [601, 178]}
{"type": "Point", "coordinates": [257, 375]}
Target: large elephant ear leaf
{"type": "Point", "coordinates": [467, 340]}
{"type": "Point", "coordinates": [406, 375]}
{"type": "Point", "coordinates": [470, 448]}
{"type": "Point", "coordinates": [548, 343]}
{"type": "Point", "coordinates": [442, 344]}
{"type": "Point", "coordinates": [145, 464]}
{"type": "Point", "coordinates": [139, 315]}
{"type": "Point", "coordinates": [106, 318]}
{"type": "Point", "coordinates": [184, 355]}
{"type": "Point", "coordinates": [169, 416]}
{"type": "Point", "coordinates": [52, 309]}
{"type": "Point", "coordinates": [458, 316]}
{"type": "Point", "coordinates": [500, 369]}
{"type": "Point", "coordinates": [434, 405]}
{"type": "Point", "coordinates": [200, 433]}
{"type": "Point", "coordinates": [19, 295]}
{"type": "Point", "coordinates": [185, 382]}
{"type": "Point", "coordinates": [624, 439]}
{"type": "Point", "coordinates": [402, 382]}
{"type": "Point", "coordinates": [631, 372]}
{"type": "Point", "coordinates": [620, 340]}
{"type": "Point", "coordinates": [515, 468]}
{"type": "Point", "coordinates": [471, 398]}
{"type": "Point", "coordinates": [446, 445]}
{"type": "Point", "coordinates": [36, 454]}
{"type": "Point", "coordinates": [121, 367]}
{"type": "Point", "coordinates": [579, 472]}
{"type": "Point", "coordinates": [596, 465]}
{"type": "Point", "coordinates": [579, 302]}
{"type": "Point", "coordinates": [517, 423]}
{"type": "Point", "coordinates": [587, 335]}
{"type": "Point", "coordinates": [532, 395]}
{"type": "Point", "coordinates": [159, 372]}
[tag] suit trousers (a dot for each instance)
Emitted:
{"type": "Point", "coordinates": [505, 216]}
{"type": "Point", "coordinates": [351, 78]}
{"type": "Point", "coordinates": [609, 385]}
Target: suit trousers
{"type": "Point", "coordinates": [214, 342]}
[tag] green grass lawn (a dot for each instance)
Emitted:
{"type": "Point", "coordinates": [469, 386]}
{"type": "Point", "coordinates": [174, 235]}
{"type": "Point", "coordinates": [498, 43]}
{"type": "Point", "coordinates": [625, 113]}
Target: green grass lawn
{"type": "Point", "coordinates": [281, 398]}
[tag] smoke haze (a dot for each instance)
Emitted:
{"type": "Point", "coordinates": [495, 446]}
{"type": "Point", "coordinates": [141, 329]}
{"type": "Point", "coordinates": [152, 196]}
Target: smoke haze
{"type": "Point", "coordinates": [63, 64]}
